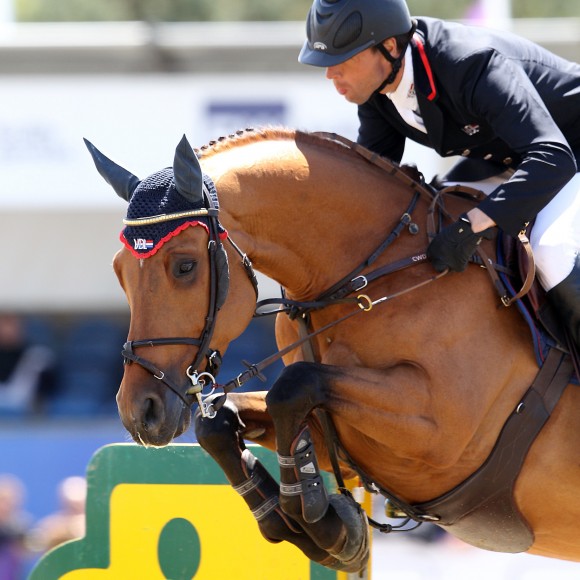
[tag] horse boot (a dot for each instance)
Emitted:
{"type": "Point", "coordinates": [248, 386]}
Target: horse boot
{"type": "Point", "coordinates": [260, 491]}
{"type": "Point", "coordinates": [309, 486]}
{"type": "Point", "coordinates": [222, 438]}
{"type": "Point", "coordinates": [565, 298]}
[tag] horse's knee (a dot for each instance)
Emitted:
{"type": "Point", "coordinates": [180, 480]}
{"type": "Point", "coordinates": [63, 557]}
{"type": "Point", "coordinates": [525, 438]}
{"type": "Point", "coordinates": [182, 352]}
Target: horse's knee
{"type": "Point", "coordinates": [297, 388]}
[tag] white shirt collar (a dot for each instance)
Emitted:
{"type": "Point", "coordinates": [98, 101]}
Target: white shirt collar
{"type": "Point", "coordinates": [404, 97]}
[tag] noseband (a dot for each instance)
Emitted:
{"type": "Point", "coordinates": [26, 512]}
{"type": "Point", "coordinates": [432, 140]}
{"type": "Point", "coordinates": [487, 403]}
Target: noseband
{"type": "Point", "coordinates": [219, 285]}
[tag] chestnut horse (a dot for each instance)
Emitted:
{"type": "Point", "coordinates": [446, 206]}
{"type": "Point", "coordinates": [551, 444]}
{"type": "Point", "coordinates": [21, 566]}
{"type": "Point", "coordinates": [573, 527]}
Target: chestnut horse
{"type": "Point", "coordinates": [417, 379]}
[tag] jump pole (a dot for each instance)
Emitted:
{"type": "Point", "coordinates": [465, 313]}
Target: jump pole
{"type": "Point", "coordinates": [170, 514]}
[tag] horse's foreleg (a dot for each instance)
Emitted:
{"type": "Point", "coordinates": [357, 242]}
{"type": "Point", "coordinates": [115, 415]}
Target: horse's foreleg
{"type": "Point", "coordinates": [336, 523]}
{"type": "Point", "coordinates": [222, 438]}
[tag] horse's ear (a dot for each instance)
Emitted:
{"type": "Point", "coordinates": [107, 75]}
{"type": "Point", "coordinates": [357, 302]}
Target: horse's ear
{"type": "Point", "coordinates": [187, 173]}
{"type": "Point", "coordinates": [122, 181]}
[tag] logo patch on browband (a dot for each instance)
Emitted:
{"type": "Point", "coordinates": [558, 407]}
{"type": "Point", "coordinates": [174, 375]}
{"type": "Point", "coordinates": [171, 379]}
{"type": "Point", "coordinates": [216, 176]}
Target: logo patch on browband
{"type": "Point", "coordinates": [141, 244]}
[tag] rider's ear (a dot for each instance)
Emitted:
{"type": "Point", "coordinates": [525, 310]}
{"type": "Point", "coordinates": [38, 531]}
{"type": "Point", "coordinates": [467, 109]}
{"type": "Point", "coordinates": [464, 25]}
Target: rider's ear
{"type": "Point", "coordinates": [187, 173]}
{"type": "Point", "coordinates": [122, 181]}
{"type": "Point", "coordinates": [390, 45]}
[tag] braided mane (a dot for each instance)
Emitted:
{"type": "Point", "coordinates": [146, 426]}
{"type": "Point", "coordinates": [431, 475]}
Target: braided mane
{"type": "Point", "coordinates": [251, 135]}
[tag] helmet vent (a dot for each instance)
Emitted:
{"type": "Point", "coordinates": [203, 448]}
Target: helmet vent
{"type": "Point", "coordinates": [349, 31]}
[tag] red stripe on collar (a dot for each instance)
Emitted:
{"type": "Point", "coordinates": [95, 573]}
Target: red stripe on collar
{"type": "Point", "coordinates": [425, 60]}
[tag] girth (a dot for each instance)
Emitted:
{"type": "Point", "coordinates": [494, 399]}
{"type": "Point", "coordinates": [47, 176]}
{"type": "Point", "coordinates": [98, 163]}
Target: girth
{"type": "Point", "coordinates": [481, 510]}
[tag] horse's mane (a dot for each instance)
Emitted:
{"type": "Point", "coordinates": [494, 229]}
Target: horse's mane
{"type": "Point", "coordinates": [254, 135]}
{"type": "Point", "coordinates": [407, 174]}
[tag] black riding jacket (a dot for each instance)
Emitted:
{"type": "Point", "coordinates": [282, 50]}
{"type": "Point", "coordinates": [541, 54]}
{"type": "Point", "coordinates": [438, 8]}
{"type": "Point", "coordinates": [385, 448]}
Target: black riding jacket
{"type": "Point", "coordinates": [494, 96]}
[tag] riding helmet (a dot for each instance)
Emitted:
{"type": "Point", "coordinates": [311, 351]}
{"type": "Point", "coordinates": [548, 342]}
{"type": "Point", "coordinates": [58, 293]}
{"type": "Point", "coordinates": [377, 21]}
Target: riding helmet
{"type": "Point", "coordinates": [339, 29]}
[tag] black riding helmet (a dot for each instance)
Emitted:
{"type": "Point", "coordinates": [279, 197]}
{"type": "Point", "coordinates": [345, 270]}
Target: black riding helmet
{"type": "Point", "coordinates": [336, 30]}
{"type": "Point", "coordinates": [339, 29]}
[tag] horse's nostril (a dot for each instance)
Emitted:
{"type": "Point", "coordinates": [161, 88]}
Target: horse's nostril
{"type": "Point", "coordinates": [150, 413]}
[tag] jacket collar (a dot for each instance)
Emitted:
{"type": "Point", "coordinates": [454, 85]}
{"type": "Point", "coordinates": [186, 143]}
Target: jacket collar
{"type": "Point", "coordinates": [427, 93]}
{"type": "Point", "coordinates": [424, 78]}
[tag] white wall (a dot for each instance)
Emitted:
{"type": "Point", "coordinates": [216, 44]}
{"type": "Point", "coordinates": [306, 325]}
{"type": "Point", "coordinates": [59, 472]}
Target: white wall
{"type": "Point", "coordinates": [59, 221]}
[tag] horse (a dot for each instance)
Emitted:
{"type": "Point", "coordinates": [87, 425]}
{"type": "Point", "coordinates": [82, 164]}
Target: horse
{"type": "Point", "coordinates": [407, 380]}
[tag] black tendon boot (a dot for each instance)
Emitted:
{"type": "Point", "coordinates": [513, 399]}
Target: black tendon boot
{"type": "Point", "coordinates": [565, 297]}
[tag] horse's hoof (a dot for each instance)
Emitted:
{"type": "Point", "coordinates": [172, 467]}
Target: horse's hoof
{"type": "Point", "coordinates": [355, 551]}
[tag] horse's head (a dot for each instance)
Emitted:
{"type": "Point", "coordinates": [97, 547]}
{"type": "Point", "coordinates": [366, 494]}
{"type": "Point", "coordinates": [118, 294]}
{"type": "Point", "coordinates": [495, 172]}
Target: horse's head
{"type": "Point", "coordinates": [176, 283]}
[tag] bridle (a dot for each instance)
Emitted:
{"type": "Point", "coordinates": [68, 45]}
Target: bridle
{"type": "Point", "coordinates": [219, 285]}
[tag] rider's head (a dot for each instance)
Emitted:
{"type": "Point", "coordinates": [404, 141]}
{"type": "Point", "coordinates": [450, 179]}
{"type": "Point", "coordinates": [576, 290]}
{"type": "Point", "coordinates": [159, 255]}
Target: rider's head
{"type": "Point", "coordinates": [337, 30]}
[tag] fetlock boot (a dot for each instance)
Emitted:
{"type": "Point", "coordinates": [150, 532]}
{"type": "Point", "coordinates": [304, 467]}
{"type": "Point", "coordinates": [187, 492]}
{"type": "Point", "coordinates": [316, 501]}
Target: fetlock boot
{"type": "Point", "coordinates": [565, 297]}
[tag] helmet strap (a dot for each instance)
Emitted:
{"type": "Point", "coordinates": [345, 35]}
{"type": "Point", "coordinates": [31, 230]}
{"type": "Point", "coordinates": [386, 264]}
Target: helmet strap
{"type": "Point", "coordinates": [396, 62]}
{"type": "Point", "coordinates": [395, 65]}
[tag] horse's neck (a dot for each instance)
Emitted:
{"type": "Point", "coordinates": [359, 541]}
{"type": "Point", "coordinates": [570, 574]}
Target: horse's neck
{"type": "Point", "coordinates": [294, 211]}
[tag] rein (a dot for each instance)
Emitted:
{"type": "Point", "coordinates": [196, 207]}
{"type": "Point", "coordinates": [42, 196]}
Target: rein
{"type": "Point", "coordinates": [336, 294]}
{"type": "Point", "coordinates": [364, 303]}
{"type": "Point", "coordinates": [352, 282]}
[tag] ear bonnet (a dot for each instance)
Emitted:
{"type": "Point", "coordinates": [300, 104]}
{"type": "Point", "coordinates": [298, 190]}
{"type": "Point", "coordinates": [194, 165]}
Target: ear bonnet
{"type": "Point", "coordinates": [165, 203]}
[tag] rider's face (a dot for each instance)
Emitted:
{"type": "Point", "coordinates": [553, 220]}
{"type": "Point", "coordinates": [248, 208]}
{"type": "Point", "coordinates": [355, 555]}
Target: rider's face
{"type": "Point", "coordinates": [358, 78]}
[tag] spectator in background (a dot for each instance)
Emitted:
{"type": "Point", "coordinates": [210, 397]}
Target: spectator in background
{"type": "Point", "coordinates": [66, 524]}
{"type": "Point", "coordinates": [14, 525]}
{"type": "Point", "coordinates": [27, 371]}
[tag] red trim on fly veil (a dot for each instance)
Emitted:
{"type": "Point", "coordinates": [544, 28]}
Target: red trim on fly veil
{"type": "Point", "coordinates": [427, 66]}
{"type": "Point", "coordinates": [170, 235]}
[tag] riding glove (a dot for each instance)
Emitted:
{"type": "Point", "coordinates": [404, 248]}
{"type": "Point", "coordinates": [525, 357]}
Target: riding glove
{"type": "Point", "coordinates": [454, 245]}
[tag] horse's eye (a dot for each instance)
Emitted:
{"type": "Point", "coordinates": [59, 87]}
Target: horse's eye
{"type": "Point", "coordinates": [186, 267]}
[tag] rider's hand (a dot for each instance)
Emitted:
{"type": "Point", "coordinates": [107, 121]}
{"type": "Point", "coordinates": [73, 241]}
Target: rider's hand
{"type": "Point", "coordinates": [453, 246]}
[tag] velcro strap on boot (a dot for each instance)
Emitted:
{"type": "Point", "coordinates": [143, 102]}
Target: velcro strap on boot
{"type": "Point", "coordinates": [249, 485]}
{"type": "Point", "coordinates": [285, 460]}
{"type": "Point", "coordinates": [265, 508]}
{"type": "Point", "coordinates": [291, 489]}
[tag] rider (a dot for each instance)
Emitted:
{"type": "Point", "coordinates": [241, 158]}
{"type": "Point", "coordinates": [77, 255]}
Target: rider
{"type": "Point", "coordinates": [508, 106]}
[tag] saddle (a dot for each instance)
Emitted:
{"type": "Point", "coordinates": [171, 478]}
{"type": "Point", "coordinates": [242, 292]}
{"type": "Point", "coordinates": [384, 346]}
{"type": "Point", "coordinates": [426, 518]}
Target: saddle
{"type": "Point", "coordinates": [515, 268]}
{"type": "Point", "coordinates": [538, 312]}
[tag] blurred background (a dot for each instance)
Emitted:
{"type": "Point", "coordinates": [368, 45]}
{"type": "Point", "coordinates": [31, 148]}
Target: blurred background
{"type": "Point", "coordinates": [132, 76]}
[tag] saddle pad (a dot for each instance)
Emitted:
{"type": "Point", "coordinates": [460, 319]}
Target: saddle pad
{"type": "Point", "coordinates": [534, 308]}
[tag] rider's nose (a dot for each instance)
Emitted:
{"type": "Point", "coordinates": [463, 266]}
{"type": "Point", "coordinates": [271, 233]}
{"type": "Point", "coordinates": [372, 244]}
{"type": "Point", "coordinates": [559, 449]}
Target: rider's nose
{"type": "Point", "coordinates": [331, 72]}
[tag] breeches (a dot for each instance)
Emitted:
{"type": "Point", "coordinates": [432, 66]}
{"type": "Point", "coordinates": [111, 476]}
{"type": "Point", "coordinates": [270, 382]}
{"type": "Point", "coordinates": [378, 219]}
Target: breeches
{"type": "Point", "coordinates": [555, 237]}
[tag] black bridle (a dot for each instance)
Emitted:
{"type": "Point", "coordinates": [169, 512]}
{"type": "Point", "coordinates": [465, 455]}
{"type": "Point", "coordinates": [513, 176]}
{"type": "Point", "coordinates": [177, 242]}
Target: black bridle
{"type": "Point", "coordinates": [219, 285]}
